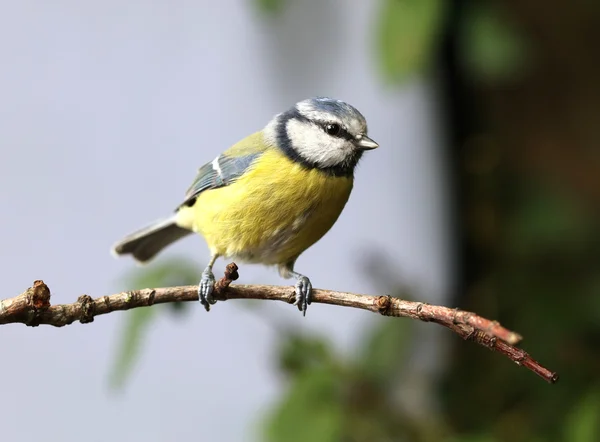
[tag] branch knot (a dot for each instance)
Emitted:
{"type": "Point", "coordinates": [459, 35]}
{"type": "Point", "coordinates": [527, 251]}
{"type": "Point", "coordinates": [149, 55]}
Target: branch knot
{"type": "Point", "coordinates": [37, 302]}
{"type": "Point", "coordinates": [88, 309]}
{"type": "Point", "coordinates": [420, 314]}
{"type": "Point", "coordinates": [151, 297]}
{"type": "Point", "coordinates": [383, 304]}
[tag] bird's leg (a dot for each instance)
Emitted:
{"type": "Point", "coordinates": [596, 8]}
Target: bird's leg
{"type": "Point", "coordinates": [207, 284]}
{"type": "Point", "coordinates": [303, 291]}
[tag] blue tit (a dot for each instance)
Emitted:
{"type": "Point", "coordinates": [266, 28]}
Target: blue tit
{"type": "Point", "coordinates": [270, 196]}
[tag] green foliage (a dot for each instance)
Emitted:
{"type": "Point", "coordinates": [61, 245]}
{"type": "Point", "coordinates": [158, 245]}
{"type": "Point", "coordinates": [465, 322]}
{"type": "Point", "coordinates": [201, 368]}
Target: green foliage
{"type": "Point", "coordinates": [311, 410]}
{"type": "Point", "coordinates": [583, 424]}
{"type": "Point", "coordinates": [332, 398]}
{"type": "Point", "coordinates": [129, 348]}
{"type": "Point", "coordinates": [408, 32]}
{"type": "Point", "coordinates": [298, 354]}
{"type": "Point", "coordinates": [168, 273]}
{"type": "Point", "coordinates": [383, 354]}
{"type": "Point", "coordinates": [493, 49]}
{"type": "Point", "coordinates": [270, 6]}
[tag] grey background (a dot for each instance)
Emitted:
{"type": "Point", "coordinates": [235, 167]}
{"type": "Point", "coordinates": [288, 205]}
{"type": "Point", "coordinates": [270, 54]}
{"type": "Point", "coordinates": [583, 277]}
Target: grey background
{"type": "Point", "coordinates": [107, 108]}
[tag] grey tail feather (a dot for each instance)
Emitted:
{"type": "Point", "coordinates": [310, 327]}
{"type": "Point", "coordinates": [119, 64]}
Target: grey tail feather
{"type": "Point", "coordinates": [145, 243]}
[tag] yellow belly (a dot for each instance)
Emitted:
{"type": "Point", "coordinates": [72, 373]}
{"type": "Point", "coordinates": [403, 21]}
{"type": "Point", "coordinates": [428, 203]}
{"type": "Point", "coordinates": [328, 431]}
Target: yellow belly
{"type": "Point", "coordinates": [271, 214]}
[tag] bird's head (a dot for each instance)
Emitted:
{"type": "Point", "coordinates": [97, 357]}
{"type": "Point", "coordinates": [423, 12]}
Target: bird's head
{"type": "Point", "coordinates": [322, 133]}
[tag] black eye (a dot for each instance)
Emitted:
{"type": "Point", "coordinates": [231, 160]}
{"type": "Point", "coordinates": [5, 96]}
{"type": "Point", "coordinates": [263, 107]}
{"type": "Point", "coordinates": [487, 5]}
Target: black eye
{"type": "Point", "coordinates": [333, 129]}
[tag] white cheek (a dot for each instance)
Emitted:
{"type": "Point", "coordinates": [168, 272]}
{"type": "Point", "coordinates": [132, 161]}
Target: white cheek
{"type": "Point", "coordinates": [313, 144]}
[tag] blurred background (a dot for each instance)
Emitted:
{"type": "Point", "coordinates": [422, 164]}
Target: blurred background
{"type": "Point", "coordinates": [484, 195]}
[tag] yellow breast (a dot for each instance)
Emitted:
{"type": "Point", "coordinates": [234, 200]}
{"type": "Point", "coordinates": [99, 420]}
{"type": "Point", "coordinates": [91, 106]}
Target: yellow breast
{"type": "Point", "coordinates": [271, 214]}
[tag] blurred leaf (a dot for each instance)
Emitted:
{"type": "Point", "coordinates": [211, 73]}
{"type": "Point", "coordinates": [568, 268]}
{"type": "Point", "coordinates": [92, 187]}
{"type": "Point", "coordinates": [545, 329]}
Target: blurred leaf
{"type": "Point", "coordinates": [384, 351]}
{"type": "Point", "coordinates": [492, 48]}
{"type": "Point", "coordinates": [136, 322]}
{"type": "Point", "coordinates": [169, 273]}
{"type": "Point", "coordinates": [300, 353]}
{"type": "Point", "coordinates": [408, 32]}
{"type": "Point", "coordinates": [583, 424]}
{"type": "Point", "coordinates": [311, 411]}
{"type": "Point", "coordinates": [270, 6]}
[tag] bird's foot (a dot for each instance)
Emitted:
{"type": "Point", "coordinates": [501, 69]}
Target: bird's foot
{"type": "Point", "coordinates": [206, 289]}
{"type": "Point", "coordinates": [303, 294]}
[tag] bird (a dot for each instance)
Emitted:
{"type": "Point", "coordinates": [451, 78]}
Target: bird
{"type": "Point", "coordinates": [270, 196]}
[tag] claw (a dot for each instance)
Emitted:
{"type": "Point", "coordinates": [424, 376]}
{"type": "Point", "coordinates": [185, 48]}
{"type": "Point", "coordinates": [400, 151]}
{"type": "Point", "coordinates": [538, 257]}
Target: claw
{"type": "Point", "coordinates": [303, 294]}
{"type": "Point", "coordinates": [206, 289]}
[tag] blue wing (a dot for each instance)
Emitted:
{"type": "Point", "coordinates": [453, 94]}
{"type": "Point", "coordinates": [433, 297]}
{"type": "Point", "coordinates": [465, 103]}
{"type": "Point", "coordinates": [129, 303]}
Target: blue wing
{"type": "Point", "coordinates": [223, 171]}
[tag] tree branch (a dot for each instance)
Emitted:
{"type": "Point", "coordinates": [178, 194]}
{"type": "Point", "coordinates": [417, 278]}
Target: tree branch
{"type": "Point", "coordinates": [33, 308]}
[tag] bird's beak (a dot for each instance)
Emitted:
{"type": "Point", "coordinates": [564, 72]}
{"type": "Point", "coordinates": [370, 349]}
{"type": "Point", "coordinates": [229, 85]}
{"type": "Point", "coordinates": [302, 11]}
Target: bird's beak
{"type": "Point", "coordinates": [365, 143]}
